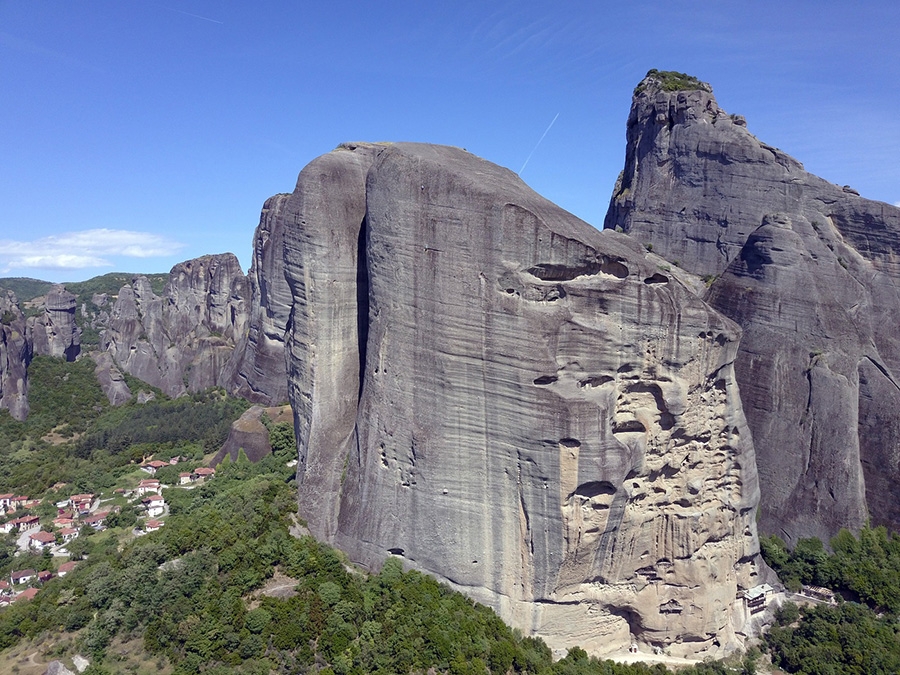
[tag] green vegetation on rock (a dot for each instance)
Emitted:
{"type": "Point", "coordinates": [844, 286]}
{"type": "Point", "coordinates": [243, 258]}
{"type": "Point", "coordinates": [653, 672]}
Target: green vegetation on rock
{"type": "Point", "coordinates": [670, 80]}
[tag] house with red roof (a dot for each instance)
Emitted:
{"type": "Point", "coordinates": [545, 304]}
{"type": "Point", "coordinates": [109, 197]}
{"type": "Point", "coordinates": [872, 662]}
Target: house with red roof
{"type": "Point", "coordinates": [97, 520]}
{"type": "Point", "coordinates": [151, 467]}
{"type": "Point", "coordinates": [22, 576]}
{"type": "Point", "coordinates": [66, 567]}
{"type": "Point", "coordinates": [155, 505]}
{"type": "Point", "coordinates": [153, 525]}
{"type": "Point", "coordinates": [68, 534]}
{"type": "Point", "coordinates": [41, 540]}
{"type": "Point", "coordinates": [148, 486]}
{"type": "Point", "coordinates": [45, 575]}
{"type": "Point", "coordinates": [27, 594]}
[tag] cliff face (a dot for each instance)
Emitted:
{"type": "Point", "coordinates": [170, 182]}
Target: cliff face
{"type": "Point", "coordinates": [54, 332]}
{"type": "Point", "coordinates": [183, 340]}
{"type": "Point", "coordinates": [15, 353]}
{"type": "Point", "coordinates": [515, 402]}
{"type": "Point", "coordinates": [257, 372]}
{"type": "Point", "coordinates": [810, 272]}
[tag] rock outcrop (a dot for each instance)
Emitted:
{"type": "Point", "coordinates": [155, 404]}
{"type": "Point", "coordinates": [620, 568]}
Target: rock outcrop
{"type": "Point", "coordinates": [525, 407]}
{"type": "Point", "coordinates": [183, 340]}
{"type": "Point", "coordinates": [257, 372]}
{"type": "Point", "coordinates": [15, 354]}
{"type": "Point", "coordinates": [250, 434]}
{"type": "Point", "coordinates": [55, 332]}
{"type": "Point", "coordinates": [810, 271]}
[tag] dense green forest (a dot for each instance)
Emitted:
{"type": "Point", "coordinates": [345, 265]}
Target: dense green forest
{"type": "Point", "coordinates": [92, 443]}
{"type": "Point", "coordinates": [860, 634]}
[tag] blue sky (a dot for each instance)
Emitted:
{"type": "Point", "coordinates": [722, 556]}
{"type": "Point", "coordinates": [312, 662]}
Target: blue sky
{"type": "Point", "coordinates": [136, 134]}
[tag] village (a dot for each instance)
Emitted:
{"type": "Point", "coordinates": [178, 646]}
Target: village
{"type": "Point", "coordinates": [51, 536]}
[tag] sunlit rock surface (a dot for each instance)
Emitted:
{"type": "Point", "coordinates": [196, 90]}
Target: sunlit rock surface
{"type": "Point", "coordinates": [810, 271]}
{"type": "Point", "coordinates": [257, 372]}
{"type": "Point", "coordinates": [180, 341]}
{"type": "Point", "coordinates": [54, 332]}
{"type": "Point", "coordinates": [532, 410]}
{"type": "Point", "coordinates": [15, 353]}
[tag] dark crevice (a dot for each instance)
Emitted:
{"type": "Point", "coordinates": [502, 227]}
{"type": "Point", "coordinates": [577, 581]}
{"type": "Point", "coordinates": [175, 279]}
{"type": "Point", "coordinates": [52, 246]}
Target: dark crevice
{"type": "Point", "coordinates": [362, 301]}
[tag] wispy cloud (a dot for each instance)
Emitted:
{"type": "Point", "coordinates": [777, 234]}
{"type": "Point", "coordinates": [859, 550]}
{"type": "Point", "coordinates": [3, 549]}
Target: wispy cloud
{"type": "Point", "coordinates": [83, 249]}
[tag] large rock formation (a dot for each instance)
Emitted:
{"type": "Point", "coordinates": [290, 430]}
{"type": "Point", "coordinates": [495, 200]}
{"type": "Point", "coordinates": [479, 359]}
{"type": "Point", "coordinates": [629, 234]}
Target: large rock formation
{"type": "Point", "coordinates": [523, 406]}
{"type": "Point", "coordinates": [810, 271]}
{"type": "Point", "coordinates": [54, 331]}
{"type": "Point", "coordinates": [257, 372]}
{"type": "Point", "coordinates": [182, 340]}
{"type": "Point", "coordinates": [15, 354]}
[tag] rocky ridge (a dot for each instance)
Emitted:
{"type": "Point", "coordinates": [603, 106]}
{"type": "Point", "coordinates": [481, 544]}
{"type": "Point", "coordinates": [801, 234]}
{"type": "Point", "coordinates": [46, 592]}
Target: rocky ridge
{"type": "Point", "coordinates": [15, 354]}
{"type": "Point", "coordinates": [809, 270]}
{"type": "Point", "coordinates": [180, 341]}
{"type": "Point", "coordinates": [525, 407]}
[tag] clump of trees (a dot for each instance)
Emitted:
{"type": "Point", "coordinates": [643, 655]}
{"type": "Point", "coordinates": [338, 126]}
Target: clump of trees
{"type": "Point", "coordinates": [850, 637]}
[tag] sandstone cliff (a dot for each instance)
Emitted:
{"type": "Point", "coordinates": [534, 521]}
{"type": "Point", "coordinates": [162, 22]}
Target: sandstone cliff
{"type": "Point", "coordinates": [523, 406]}
{"type": "Point", "coordinates": [182, 340]}
{"type": "Point", "coordinates": [257, 371]}
{"type": "Point", "coordinates": [15, 354]}
{"type": "Point", "coordinates": [810, 271]}
{"type": "Point", "coordinates": [54, 331]}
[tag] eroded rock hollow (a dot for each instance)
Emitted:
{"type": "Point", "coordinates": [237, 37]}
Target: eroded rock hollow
{"type": "Point", "coordinates": [810, 271]}
{"type": "Point", "coordinates": [515, 402]}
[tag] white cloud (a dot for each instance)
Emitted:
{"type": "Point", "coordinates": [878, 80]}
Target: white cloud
{"type": "Point", "coordinates": [79, 250]}
{"type": "Point", "coordinates": [896, 203]}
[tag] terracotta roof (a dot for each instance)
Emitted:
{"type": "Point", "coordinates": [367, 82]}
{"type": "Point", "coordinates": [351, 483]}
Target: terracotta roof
{"type": "Point", "coordinates": [27, 594]}
{"type": "Point", "coordinates": [21, 574]}
{"type": "Point", "coordinates": [67, 567]}
{"type": "Point", "coordinates": [43, 537]}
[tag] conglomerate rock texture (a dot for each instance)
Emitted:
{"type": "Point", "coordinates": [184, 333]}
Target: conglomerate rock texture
{"type": "Point", "coordinates": [810, 271]}
{"type": "Point", "coordinates": [257, 372]}
{"type": "Point", "coordinates": [15, 354]}
{"type": "Point", "coordinates": [515, 402]}
{"type": "Point", "coordinates": [183, 340]}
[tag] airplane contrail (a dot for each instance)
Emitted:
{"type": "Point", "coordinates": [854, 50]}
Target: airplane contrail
{"type": "Point", "coordinates": [196, 16]}
{"type": "Point", "coordinates": [537, 144]}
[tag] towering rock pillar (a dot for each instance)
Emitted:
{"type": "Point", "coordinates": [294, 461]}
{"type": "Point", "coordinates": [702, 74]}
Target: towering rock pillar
{"type": "Point", "coordinates": [15, 353]}
{"type": "Point", "coordinates": [55, 332]}
{"type": "Point", "coordinates": [525, 407]}
{"type": "Point", "coordinates": [809, 270]}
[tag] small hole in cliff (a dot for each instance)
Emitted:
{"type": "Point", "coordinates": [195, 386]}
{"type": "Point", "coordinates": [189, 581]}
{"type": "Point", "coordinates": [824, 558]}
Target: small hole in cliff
{"type": "Point", "coordinates": [629, 426]}
{"type": "Point", "coordinates": [657, 279]}
{"type": "Point", "coordinates": [544, 380]}
{"type": "Point", "coordinates": [570, 443]}
{"type": "Point", "coordinates": [474, 562]}
{"type": "Point", "coordinates": [598, 381]}
{"type": "Point", "coordinates": [666, 421]}
{"type": "Point", "coordinates": [595, 488]}
{"type": "Point", "coordinates": [615, 268]}
{"type": "Point", "coordinates": [395, 551]}
{"type": "Point", "coordinates": [557, 272]}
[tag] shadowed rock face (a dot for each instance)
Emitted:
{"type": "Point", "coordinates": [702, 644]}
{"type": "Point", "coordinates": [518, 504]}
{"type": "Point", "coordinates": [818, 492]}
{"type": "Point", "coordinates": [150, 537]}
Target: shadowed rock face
{"type": "Point", "coordinates": [54, 332]}
{"type": "Point", "coordinates": [257, 372]}
{"type": "Point", "coordinates": [183, 340]}
{"type": "Point", "coordinates": [810, 272]}
{"type": "Point", "coordinates": [15, 354]}
{"type": "Point", "coordinates": [515, 402]}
